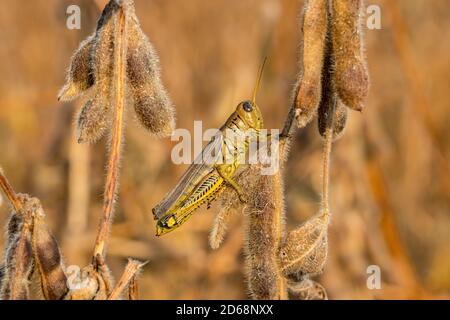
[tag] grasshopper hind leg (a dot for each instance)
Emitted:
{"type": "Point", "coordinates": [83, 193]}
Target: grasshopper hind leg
{"type": "Point", "coordinates": [225, 172]}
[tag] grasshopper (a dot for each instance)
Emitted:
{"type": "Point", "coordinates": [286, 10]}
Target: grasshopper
{"type": "Point", "coordinates": [211, 173]}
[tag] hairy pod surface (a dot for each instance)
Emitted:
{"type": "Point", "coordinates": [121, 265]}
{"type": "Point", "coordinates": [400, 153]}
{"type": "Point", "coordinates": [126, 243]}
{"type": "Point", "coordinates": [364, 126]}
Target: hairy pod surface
{"type": "Point", "coordinates": [219, 228]}
{"type": "Point", "coordinates": [152, 104]}
{"type": "Point", "coordinates": [92, 67]}
{"type": "Point", "coordinates": [228, 204]}
{"type": "Point", "coordinates": [339, 119]}
{"type": "Point", "coordinates": [95, 116]}
{"type": "Point", "coordinates": [350, 70]}
{"type": "Point", "coordinates": [332, 112]}
{"type": "Point", "coordinates": [48, 260]}
{"type": "Point", "coordinates": [13, 228]}
{"type": "Point", "coordinates": [314, 28]}
{"type": "Point", "coordinates": [18, 267]}
{"type": "Point", "coordinates": [79, 76]}
{"type": "Point", "coordinates": [91, 122]}
{"type": "Point", "coordinates": [264, 228]}
{"type": "Point", "coordinates": [304, 251]}
{"type": "Point", "coordinates": [19, 262]}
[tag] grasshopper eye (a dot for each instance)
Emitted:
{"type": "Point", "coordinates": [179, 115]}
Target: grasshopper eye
{"type": "Point", "coordinates": [248, 106]}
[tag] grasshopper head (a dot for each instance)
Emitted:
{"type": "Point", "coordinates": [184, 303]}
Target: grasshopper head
{"type": "Point", "coordinates": [165, 225]}
{"type": "Point", "coordinates": [249, 112]}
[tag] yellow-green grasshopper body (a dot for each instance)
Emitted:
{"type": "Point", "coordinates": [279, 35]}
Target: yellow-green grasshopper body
{"type": "Point", "coordinates": [210, 174]}
{"type": "Point", "coordinates": [205, 179]}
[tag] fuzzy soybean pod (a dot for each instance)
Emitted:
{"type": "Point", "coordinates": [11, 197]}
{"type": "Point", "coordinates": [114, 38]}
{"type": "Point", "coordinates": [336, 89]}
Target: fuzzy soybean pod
{"type": "Point", "coordinates": [228, 204]}
{"type": "Point", "coordinates": [265, 226]}
{"type": "Point", "coordinates": [14, 226]}
{"type": "Point", "coordinates": [79, 76]}
{"type": "Point", "coordinates": [350, 70]}
{"type": "Point", "coordinates": [332, 111]}
{"type": "Point", "coordinates": [339, 118]}
{"type": "Point", "coordinates": [18, 267]}
{"type": "Point", "coordinates": [314, 28]}
{"type": "Point", "coordinates": [152, 104]}
{"type": "Point", "coordinates": [48, 260]}
{"type": "Point", "coordinates": [305, 249]}
{"type": "Point", "coordinates": [219, 228]}
{"type": "Point", "coordinates": [93, 119]}
{"type": "Point", "coordinates": [19, 263]}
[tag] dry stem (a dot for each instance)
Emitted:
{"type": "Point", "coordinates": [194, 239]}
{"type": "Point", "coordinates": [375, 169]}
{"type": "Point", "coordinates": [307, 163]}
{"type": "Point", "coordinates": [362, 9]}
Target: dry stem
{"type": "Point", "coordinates": [133, 292]}
{"type": "Point", "coordinates": [117, 134]}
{"type": "Point", "coordinates": [132, 268]}
{"type": "Point", "coordinates": [328, 142]}
{"type": "Point", "coordinates": [9, 191]}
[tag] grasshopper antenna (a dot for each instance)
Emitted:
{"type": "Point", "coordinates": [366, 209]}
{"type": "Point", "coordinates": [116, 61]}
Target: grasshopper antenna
{"type": "Point", "coordinates": [258, 80]}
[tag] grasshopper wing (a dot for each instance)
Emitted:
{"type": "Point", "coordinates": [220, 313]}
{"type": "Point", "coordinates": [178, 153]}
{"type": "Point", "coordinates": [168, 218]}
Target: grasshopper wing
{"type": "Point", "coordinates": [203, 165]}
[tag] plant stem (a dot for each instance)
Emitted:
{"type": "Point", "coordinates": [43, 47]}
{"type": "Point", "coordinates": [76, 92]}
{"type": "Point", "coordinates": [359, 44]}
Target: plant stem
{"type": "Point", "coordinates": [128, 275]}
{"type": "Point", "coordinates": [9, 191]}
{"type": "Point", "coordinates": [117, 134]}
{"type": "Point", "coordinates": [328, 142]}
{"type": "Point", "coordinates": [133, 291]}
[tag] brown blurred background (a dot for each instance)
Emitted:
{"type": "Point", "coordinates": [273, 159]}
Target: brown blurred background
{"type": "Point", "coordinates": [390, 183]}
